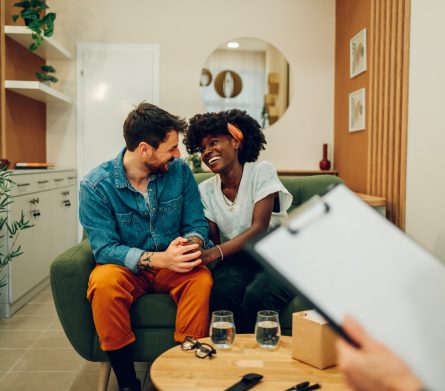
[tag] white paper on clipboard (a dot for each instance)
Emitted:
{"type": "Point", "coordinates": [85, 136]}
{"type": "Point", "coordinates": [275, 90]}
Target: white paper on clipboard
{"type": "Point", "coordinates": [347, 259]}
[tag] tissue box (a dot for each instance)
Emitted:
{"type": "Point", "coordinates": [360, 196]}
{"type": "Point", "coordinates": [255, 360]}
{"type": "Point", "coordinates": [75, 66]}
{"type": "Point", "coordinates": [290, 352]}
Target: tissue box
{"type": "Point", "coordinates": [313, 341]}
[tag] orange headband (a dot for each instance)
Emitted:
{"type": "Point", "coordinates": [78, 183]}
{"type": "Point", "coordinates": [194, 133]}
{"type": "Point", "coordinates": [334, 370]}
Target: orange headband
{"type": "Point", "coordinates": [235, 132]}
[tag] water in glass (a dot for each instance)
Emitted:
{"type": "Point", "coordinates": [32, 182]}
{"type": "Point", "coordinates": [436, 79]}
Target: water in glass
{"type": "Point", "coordinates": [222, 329]}
{"type": "Point", "coordinates": [267, 329]}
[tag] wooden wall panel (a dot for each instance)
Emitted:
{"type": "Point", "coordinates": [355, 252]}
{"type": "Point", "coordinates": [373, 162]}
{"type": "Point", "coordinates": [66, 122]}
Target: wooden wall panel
{"type": "Point", "coordinates": [26, 129]}
{"type": "Point", "coordinates": [389, 51]}
{"type": "Point", "coordinates": [16, 67]}
{"type": "Point", "coordinates": [23, 120]}
{"type": "Point", "coordinates": [350, 149]}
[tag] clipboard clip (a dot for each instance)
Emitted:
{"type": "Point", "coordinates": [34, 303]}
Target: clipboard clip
{"type": "Point", "coordinates": [306, 214]}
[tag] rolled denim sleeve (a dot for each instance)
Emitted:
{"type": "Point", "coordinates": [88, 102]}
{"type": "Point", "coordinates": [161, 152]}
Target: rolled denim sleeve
{"type": "Point", "coordinates": [97, 218]}
{"type": "Point", "coordinates": [193, 222]}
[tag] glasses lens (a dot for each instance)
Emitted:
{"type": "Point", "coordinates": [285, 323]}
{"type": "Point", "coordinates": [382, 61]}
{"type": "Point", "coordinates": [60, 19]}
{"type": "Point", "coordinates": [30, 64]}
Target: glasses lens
{"type": "Point", "coordinates": [189, 343]}
{"type": "Point", "coordinates": [205, 350]}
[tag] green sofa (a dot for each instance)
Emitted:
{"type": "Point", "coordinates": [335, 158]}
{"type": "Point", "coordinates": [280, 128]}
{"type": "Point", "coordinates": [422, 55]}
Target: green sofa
{"type": "Point", "coordinates": [153, 315]}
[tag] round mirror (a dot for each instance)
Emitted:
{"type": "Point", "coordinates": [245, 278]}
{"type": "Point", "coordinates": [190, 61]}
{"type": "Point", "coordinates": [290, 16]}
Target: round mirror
{"type": "Point", "coordinates": [247, 74]}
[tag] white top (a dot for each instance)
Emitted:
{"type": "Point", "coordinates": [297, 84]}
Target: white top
{"type": "Point", "coordinates": [258, 181]}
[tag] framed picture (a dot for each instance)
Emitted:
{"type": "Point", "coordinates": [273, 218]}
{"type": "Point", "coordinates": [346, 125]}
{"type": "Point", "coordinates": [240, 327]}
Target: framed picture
{"type": "Point", "coordinates": [357, 54]}
{"type": "Point", "coordinates": [357, 110]}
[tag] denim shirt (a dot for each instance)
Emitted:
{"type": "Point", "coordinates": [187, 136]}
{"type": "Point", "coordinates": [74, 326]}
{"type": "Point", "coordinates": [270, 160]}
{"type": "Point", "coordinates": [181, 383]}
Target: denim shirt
{"type": "Point", "coordinates": [118, 221]}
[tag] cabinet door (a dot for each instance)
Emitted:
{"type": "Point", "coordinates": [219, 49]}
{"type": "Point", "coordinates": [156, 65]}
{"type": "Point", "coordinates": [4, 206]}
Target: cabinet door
{"type": "Point", "coordinates": [64, 219]}
{"type": "Point", "coordinates": [31, 267]}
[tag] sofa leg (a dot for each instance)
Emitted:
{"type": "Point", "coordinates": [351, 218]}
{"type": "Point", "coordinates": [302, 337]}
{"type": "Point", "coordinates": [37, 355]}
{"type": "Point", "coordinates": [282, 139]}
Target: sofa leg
{"type": "Point", "coordinates": [104, 376]}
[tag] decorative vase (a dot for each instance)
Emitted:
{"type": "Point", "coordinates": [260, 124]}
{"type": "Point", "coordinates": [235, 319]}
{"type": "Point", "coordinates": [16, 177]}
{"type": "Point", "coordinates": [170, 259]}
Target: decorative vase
{"type": "Point", "coordinates": [5, 163]}
{"type": "Point", "coordinates": [325, 164]}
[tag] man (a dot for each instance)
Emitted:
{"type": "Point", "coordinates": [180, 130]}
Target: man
{"type": "Point", "coordinates": [372, 366]}
{"type": "Point", "coordinates": [140, 211]}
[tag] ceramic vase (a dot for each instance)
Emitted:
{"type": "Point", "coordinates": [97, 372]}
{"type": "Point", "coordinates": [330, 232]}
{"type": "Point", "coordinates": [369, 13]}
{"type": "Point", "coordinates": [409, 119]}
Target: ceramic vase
{"type": "Point", "coordinates": [325, 164]}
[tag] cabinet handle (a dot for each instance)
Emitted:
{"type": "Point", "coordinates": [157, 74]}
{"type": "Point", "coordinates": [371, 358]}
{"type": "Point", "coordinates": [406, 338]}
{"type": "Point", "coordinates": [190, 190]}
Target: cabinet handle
{"type": "Point", "coordinates": [72, 177]}
{"type": "Point", "coordinates": [36, 213]}
{"type": "Point", "coordinates": [67, 203]}
{"type": "Point", "coordinates": [23, 184]}
{"type": "Point", "coordinates": [58, 179]}
{"type": "Point", "coordinates": [65, 193]}
{"type": "Point", "coordinates": [34, 201]}
{"type": "Point", "coordinates": [42, 182]}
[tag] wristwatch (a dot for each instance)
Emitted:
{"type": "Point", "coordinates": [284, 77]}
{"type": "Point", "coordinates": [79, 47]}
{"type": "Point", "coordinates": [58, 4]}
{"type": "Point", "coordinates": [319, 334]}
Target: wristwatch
{"type": "Point", "coordinates": [248, 381]}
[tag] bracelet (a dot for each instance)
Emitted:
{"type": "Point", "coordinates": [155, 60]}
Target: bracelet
{"type": "Point", "coordinates": [219, 248]}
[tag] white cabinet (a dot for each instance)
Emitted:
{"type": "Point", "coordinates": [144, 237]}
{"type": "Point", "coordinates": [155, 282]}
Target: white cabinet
{"type": "Point", "coordinates": [49, 200]}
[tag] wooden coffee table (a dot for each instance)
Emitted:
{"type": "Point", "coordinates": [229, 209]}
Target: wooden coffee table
{"type": "Point", "coordinates": [177, 370]}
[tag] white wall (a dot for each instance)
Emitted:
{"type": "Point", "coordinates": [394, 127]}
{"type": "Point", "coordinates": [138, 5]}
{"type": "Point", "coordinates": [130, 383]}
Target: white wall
{"type": "Point", "coordinates": [188, 31]}
{"type": "Point", "coordinates": [425, 204]}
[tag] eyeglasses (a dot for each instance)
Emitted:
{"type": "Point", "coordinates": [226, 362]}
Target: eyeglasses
{"type": "Point", "coordinates": [203, 350]}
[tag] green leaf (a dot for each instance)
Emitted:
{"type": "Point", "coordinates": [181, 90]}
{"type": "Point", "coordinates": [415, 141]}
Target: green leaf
{"type": "Point", "coordinates": [14, 18]}
{"type": "Point", "coordinates": [23, 4]}
{"type": "Point", "coordinates": [48, 32]}
{"type": "Point", "coordinates": [47, 68]}
{"type": "Point", "coordinates": [30, 14]}
{"type": "Point", "coordinates": [36, 26]}
{"type": "Point", "coordinates": [38, 4]}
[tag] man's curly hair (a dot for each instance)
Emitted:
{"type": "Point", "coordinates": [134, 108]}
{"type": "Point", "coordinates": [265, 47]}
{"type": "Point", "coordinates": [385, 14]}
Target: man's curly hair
{"type": "Point", "coordinates": [213, 124]}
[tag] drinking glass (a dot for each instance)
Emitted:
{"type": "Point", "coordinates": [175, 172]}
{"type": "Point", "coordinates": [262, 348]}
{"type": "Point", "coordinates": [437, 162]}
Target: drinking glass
{"type": "Point", "coordinates": [267, 329]}
{"type": "Point", "coordinates": [222, 329]}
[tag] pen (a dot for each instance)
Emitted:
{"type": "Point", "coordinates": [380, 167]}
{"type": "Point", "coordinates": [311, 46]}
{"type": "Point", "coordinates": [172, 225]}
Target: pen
{"type": "Point", "coordinates": [309, 388]}
{"type": "Point", "coordinates": [299, 386]}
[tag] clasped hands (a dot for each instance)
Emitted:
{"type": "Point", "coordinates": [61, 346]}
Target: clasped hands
{"type": "Point", "coordinates": [182, 255]}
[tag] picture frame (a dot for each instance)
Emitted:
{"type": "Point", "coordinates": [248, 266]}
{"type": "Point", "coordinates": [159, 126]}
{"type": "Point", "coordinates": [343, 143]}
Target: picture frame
{"type": "Point", "coordinates": [357, 54]}
{"type": "Point", "coordinates": [357, 114]}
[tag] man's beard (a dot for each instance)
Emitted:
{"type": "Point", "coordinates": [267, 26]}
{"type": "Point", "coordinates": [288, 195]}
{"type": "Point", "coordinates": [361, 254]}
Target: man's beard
{"type": "Point", "coordinates": [159, 168]}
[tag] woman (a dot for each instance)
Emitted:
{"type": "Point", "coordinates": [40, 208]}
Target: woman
{"type": "Point", "coordinates": [243, 199]}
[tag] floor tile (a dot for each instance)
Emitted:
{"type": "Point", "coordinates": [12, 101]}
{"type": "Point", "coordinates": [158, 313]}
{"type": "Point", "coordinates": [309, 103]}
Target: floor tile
{"type": "Point", "coordinates": [18, 322]}
{"type": "Point", "coordinates": [32, 381]}
{"type": "Point", "coordinates": [85, 381]}
{"type": "Point", "coordinates": [52, 340]}
{"type": "Point", "coordinates": [43, 297]}
{"type": "Point", "coordinates": [56, 325]}
{"type": "Point", "coordinates": [39, 309]}
{"type": "Point", "coordinates": [18, 339]}
{"type": "Point", "coordinates": [50, 360]}
{"type": "Point", "coordinates": [8, 357]}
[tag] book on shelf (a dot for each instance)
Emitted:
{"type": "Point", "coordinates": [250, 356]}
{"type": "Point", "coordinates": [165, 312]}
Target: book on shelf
{"type": "Point", "coordinates": [33, 166]}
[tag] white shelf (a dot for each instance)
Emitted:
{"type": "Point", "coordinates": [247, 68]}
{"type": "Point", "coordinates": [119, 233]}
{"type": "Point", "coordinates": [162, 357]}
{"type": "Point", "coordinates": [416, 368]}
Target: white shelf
{"type": "Point", "coordinates": [49, 49]}
{"type": "Point", "coordinates": [37, 91]}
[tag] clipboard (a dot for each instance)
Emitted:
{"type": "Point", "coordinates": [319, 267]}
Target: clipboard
{"type": "Point", "coordinates": [346, 258]}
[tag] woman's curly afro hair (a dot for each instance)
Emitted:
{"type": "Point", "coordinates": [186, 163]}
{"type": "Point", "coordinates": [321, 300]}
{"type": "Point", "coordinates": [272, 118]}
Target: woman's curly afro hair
{"type": "Point", "coordinates": [213, 124]}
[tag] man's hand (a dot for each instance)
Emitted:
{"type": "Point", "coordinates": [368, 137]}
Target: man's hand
{"type": "Point", "coordinates": [372, 366]}
{"type": "Point", "coordinates": [180, 256]}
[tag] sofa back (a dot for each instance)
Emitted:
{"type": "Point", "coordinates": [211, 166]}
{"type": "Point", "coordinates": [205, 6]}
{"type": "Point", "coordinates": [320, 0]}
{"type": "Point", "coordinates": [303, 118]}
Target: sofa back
{"type": "Point", "coordinates": [301, 187]}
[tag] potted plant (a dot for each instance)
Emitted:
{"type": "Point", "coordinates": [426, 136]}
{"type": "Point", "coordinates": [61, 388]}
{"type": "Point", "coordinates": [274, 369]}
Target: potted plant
{"type": "Point", "coordinates": [8, 229]}
{"type": "Point", "coordinates": [45, 76]}
{"type": "Point", "coordinates": [40, 23]}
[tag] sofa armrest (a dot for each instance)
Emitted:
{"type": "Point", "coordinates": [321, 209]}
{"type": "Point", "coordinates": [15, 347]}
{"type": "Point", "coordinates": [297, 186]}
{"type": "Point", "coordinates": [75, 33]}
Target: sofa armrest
{"type": "Point", "coordinates": [69, 276]}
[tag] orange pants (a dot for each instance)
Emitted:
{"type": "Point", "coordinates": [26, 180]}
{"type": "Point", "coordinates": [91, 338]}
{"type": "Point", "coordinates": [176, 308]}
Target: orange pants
{"type": "Point", "coordinates": [112, 289]}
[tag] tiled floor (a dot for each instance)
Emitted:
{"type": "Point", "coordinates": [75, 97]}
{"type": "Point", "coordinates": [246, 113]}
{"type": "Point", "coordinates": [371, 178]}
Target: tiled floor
{"type": "Point", "coordinates": [36, 355]}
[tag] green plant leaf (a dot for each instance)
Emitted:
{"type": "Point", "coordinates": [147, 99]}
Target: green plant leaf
{"type": "Point", "coordinates": [36, 26]}
{"type": "Point", "coordinates": [47, 68]}
{"type": "Point", "coordinates": [23, 4]}
{"type": "Point", "coordinates": [30, 14]}
{"type": "Point", "coordinates": [39, 4]}
{"type": "Point", "coordinates": [14, 18]}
